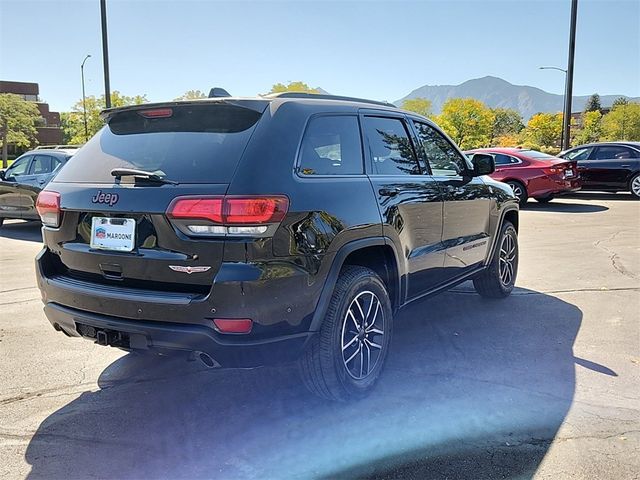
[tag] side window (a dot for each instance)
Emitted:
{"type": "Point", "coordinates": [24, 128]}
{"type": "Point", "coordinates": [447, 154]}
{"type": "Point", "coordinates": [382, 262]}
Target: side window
{"type": "Point", "coordinates": [502, 159]}
{"type": "Point", "coordinates": [41, 164]}
{"type": "Point", "coordinates": [390, 147]}
{"type": "Point", "coordinates": [56, 163]}
{"type": "Point", "coordinates": [331, 146]}
{"type": "Point", "coordinates": [18, 168]}
{"type": "Point", "coordinates": [579, 154]}
{"type": "Point", "coordinates": [442, 157]}
{"type": "Point", "coordinates": [613, 153]}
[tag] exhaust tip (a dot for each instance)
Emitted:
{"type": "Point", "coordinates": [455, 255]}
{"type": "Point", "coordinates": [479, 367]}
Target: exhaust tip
{"type": "Point", "coordinates": [207, 360]}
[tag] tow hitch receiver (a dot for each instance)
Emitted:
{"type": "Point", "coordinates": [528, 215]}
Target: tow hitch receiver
{"type": "Point", "coordinates": [104, 337]}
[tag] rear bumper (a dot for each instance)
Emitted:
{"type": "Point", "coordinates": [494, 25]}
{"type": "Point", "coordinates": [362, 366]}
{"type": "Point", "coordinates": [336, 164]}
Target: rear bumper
{"type": "Point", "coordinates": [171, 337]}
{"type": "Point", "coordinates": [556, 187]}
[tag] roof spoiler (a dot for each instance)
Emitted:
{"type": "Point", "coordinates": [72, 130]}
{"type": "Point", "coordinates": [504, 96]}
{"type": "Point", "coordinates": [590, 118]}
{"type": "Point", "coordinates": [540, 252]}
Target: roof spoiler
{"type": "Point", "coordinates": [216, 92]}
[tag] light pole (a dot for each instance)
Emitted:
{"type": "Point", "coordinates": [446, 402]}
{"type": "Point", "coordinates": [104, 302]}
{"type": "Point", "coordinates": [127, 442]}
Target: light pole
{"type": "Point", "coordinates": [84, 104]}
{"type": "Point", "coordinates": [105, 53]}
{"type": "Point", "coordinates": [564, 104]}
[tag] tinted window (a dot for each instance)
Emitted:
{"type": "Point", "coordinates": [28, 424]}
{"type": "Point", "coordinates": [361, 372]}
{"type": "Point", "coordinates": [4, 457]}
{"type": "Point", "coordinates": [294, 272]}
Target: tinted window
{"type": "Point", "coordinates": [390, 148]}
{"type": "Point", "coordinates": [578, 154]}
{"type": "Point", "coordinates": [19, 167]}
{"type": "Point", "coordinates": [331, 146]}
{"type": "Point", "coordinates": [196, 144]}
{"type": "Point", "coordinates": [41, 164]}
{"type": "Point", "coordinates": [613, 153]}
{"type": "Point", "coordinates": [502, 159]}
{"type": "Point", "coordinates": [536, 154]}
{"type": "Point", "coordinates": [439, 153]}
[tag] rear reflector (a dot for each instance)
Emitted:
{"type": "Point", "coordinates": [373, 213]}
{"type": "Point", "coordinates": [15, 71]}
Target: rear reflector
{"type": "Point", "coordinates": [156, 113]}
{"type": "Point", "coordinates": [48, 207]}
{"type": "Point", "coordinates": [233, 325]}
{"type": "Point", "coordinates": [227, 210]}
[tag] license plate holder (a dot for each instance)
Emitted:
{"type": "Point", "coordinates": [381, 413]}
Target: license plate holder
{"type": "Point", "coordinates": [116, 234]}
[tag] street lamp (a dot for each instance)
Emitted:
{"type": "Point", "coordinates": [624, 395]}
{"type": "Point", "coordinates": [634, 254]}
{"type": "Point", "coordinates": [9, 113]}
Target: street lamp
{"type": "Point", "coordinates": [564, 104]}
{"type": "Point", "coordinates": [84, 104]}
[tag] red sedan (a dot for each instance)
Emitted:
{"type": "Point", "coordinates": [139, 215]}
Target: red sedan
{"type": "Point", "coordinates": [533, 174]}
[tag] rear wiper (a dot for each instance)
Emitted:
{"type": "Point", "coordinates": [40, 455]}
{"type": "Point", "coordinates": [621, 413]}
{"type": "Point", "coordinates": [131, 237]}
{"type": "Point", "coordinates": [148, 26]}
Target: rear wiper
{"type": "Point", "coordinates": [132, 172]}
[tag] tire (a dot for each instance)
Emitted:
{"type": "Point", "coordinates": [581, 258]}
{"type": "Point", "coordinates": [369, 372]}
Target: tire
{"type": "Point", "coordinates": [634, 186]}
{"type": "Point", "coordinates": [519, 190]}
{"type": "Point", "coordinates": [544, 199]}
{"type": "Point", "coordinates": [495, 282]}
{"type": "Point", "coordinates": [338, 373]}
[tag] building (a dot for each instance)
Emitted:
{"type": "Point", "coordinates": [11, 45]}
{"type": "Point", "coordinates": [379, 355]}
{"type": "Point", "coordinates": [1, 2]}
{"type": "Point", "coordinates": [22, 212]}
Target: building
{"type": "Point", "coordinates": [49, 130]}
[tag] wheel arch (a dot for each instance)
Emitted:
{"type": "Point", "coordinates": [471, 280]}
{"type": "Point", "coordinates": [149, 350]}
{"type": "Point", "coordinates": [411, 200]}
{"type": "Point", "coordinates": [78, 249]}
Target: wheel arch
{"type": "Point", "coordinates": [378, 254]}
{"type": "Point", "coordinates": [511, 214]}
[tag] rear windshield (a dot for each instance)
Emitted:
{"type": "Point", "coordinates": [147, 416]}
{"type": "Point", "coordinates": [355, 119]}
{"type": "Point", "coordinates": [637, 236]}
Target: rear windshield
{"type": "Point", "coordinates": [535, 154]}
{"type": "Point", "coordinates": [195, 144]}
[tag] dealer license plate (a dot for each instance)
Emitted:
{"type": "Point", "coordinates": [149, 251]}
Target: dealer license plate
{"type": "Point", "coordinates": [113, 233]}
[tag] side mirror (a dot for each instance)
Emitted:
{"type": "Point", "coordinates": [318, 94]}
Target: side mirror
{"type": "Point", "coordinates": [1, 174]}
{"type": "Point", "coordinates": [483, 164]}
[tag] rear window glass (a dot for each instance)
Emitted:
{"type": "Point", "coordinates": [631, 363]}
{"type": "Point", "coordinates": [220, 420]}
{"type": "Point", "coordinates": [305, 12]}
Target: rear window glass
{"type": "Point", "coordinates": [196, 144]}
{"type": "Point", "coordinates": [331, 146]}
{"type": "Point", "coordinates": [535, 154]}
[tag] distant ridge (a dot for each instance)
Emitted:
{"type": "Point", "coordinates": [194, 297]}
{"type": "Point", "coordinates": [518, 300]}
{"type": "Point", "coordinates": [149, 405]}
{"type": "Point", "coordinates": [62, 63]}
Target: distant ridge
{"type": "Point", "coordinates": [496, 92]}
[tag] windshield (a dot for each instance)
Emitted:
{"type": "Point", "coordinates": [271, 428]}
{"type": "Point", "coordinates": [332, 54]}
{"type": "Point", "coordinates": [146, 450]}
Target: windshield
{"type": "Point", "coordinates": [195, 144]}
{"type": "Point", "coordinates": [535, 154]}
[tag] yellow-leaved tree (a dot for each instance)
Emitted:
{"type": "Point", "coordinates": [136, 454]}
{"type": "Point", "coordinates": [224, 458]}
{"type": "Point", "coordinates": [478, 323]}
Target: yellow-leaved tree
{"type": "Point", "coordinates": [467, 121]}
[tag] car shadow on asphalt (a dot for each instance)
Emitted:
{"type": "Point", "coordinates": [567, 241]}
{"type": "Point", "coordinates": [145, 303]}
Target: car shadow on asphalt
{"type": "Point", "coordinates": [557, 206]}
{"type": "Point", "coordinates": [472, 389]}
{"type": "Point", "coordinates": [29, 231]}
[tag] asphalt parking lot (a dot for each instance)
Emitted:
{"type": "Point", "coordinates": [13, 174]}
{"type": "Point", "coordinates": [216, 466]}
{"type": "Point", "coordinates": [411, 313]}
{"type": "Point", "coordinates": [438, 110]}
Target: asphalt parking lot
{"type": "Point", "coordinates": [545, 384]}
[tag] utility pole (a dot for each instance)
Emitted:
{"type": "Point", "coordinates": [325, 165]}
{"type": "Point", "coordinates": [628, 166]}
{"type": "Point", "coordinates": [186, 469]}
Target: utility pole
{"type": "Point", "coordinates": [569, 86]}
{"type": "Point", "coordinates": [105, 53]}
{"type": "Point", "coordinates": [84, 105]}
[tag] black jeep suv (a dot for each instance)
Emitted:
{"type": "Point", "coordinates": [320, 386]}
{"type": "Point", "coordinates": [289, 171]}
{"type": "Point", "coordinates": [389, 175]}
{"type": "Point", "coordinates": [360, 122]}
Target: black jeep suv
{"type": "Point", "coordinates": [252, 231]}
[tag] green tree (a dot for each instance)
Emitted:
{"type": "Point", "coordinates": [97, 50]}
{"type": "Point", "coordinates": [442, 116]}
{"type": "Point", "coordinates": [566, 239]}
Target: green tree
{"type": "Point", "coordinates": [591, 130]}
{"type": "Point", "coordinates": [543, 130]}
{"type": "Point", "coordinates": [419, 105]}
{"type": "Point", "coordinates": [18, 120]}
{"type": "Point", "coordinates": [293, 87]}
{"type": "Point", "coordinates": [191, 95]}
{"type": "Point", "coordinates": [620, 101]}
{"type": "Point", "coordinates": [507, 123]}
{"type": "Point", "coordinates": [73, 122]}
{"type": "Point", "coordinates": [593, 104]}
{"type": "Point", "coordinates": [467, 121]}
{"type": "Point", "coordinates": [622, 122]}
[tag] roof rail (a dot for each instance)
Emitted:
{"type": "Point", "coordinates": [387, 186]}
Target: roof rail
{"type": "Point", "coordinates": [56, 147]}
{"type": "Point", "coordinates": [322, 96]}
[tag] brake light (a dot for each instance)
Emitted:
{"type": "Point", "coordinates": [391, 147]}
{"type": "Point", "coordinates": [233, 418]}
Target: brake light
{"type": "Point", "coordinates": [234, 215]}
{"type": "Point", "coordinates": [552, 170]}
{"type": "Point", "coordinates": [157, 113]}
{"type": "Point", "coordinates": [48, 207]}
{"type": "Point", "coordinates": [233, 325]}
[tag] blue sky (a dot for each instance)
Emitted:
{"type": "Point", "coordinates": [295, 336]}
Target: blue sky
{"type": "Point", "coordinates": [375, 49]}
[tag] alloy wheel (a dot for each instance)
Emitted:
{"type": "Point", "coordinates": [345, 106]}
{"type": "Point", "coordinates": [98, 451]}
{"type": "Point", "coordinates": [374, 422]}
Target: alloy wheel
{"type": "Point", "coordinates": [517, 190]}
{"type": "Point", "coordinates": [507, 260]}
{"type": "Point", "coordinates": [362, 331]}
{"type": "Point", "coordinates": [635, 186]}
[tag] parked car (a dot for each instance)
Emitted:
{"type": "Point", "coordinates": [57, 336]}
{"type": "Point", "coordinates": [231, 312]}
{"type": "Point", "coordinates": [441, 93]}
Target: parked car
{"type": "Point", "coordinates": [21, 183]}
{"type": "Point", "coordinates": [533, 174]}
{"type": "Point", "coordinates": [279, 228]}
{"type": "Point", "coordinates": [610, 166]}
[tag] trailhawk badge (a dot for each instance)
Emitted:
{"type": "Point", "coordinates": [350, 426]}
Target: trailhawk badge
{"type": "Point", "coordinates": [189, 270]}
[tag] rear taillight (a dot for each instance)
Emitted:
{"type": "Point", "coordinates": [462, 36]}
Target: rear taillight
{"type": "Point", "coordinates": [48, 206]}
{"type": "Point", "coordinates": [228, 215]}
{"type": "Point", "coordinates": [552, 170]}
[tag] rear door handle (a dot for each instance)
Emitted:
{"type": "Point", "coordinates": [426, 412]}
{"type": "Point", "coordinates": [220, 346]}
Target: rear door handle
{"type": "Point", "coordinates": [389, 192]}
{"type": "Point", "coordinates": [625, 166]}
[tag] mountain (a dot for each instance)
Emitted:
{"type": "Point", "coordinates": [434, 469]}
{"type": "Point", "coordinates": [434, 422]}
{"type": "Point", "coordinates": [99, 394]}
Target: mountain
{"type": "Point", "coordinates": [496, 92]}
